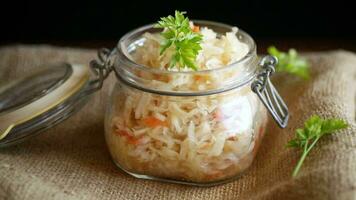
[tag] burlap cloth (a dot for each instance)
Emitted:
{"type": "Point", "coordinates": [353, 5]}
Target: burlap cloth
{"type": "Point", "coordinates": [71, 161]}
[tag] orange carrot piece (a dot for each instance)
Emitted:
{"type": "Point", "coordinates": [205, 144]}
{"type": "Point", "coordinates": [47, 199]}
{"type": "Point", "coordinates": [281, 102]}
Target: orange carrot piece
{"type": "Point", "coordinates": [130, 138]}
{"type": "Point", "coordinates": [198, 77]}
{"type": "Point", "coordinates": [196, 29]}
{"type": "Point", "coordinates": [218, 115]}
{"type": "Point", "coordinates": [154, 122]}
{"type": "Point", "coordinates": [260, 131]}
{"type": "Point", "coordinates": [134, 141]}
{"type": "Point", "coordinates": [215, 175]}
{"type": "Point", "coordinates": [122, 133]}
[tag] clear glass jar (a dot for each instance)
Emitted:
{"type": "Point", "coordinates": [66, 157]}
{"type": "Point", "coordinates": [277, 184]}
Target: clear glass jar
{"type": "Point", "coordinates": [201, 134]}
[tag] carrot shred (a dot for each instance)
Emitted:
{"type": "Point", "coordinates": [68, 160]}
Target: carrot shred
{"type": "Point", "coordinates": [154, 122]}
{"type": "Point", "coordinates": [196, 29]}
{"type": "Point", "coordinates": [215, 175]}
{"type": "Point", "coordinates": [218, 115]}
{"type": "Point", "coordinates": [198, 77]}
{"type": "Point", "coordinates": [130, 138]}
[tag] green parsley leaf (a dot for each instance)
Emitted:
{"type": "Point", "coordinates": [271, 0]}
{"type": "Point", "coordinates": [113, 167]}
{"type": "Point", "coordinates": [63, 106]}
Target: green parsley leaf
{"type": "Point", "coordinates": [178, 34]}
{"type": "Point", "coordinates": [314, 128]}
{"type": "Point", "coordinates": [290, 62]}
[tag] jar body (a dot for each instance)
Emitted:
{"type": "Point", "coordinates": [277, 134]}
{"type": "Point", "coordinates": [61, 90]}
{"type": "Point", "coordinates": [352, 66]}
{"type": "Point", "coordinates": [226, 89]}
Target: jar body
{"type": "Point", "coordinates": [190, 127]}
{"type": "Point", "coordinates": [203, 139]}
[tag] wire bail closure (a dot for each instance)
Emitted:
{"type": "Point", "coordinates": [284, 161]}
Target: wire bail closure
{"type": "Point", "coordinates": [101, 68]}
{"type": "Point", "coordinates": [268, 94]}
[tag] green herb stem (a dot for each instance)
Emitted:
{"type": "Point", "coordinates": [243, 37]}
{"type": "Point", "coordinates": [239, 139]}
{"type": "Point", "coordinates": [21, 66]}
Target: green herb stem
{"type": "Point", "coordinates": [304, 155]}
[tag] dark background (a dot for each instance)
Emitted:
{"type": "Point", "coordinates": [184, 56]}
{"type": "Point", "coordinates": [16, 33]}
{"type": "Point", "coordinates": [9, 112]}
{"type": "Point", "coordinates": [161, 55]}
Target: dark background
{"type": "Point", "coordinates": [306, 24]}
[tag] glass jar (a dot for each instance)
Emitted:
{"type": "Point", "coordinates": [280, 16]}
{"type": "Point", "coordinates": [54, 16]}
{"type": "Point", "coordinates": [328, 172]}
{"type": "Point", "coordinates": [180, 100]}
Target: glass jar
{"type": "Point", "coordinates": [204, 133]}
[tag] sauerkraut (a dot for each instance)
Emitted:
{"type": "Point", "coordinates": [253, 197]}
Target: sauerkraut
{"type": "Point", "coordinates": [197, 139]}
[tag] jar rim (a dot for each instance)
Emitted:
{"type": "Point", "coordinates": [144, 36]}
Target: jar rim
{"type": "Point", "coordinates": [125, 67]}
{"type": "Point", "coordinates": [122, 49]}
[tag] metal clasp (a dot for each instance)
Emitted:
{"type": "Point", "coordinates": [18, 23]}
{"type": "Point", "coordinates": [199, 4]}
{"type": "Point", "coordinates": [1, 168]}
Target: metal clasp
{"type": "Point", "coordinates": [268, 94]}
{"type": "Point", "coordinates": [101, 69]}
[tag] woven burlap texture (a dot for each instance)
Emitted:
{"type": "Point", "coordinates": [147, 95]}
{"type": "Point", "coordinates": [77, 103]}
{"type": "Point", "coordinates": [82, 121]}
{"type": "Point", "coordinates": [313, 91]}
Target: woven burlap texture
{"type": "Point", "coordinates": [71, 160]}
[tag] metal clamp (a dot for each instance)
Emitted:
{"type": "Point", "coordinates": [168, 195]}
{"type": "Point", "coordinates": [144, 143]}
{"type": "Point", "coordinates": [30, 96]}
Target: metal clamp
{"type": "Point", "coordinates": [268, 94]}
{"type": "Point", "coordinates": [101, 68]}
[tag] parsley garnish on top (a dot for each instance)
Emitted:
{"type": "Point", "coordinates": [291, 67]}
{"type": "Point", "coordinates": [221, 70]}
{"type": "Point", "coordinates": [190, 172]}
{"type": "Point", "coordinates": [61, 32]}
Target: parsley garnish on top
{"type": "Point", "coordinates": [178, 34]}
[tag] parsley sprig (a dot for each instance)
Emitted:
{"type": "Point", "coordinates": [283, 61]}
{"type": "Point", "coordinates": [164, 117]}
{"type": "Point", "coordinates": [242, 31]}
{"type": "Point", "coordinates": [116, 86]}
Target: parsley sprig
{"type": "Point", "coordinates": [177, 33]}
{"type": "Point", "coordinates": [290, 62]}
{"type": "Point", "coordinates": [314, 128]}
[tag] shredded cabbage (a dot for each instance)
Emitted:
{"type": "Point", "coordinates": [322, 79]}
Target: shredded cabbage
{"type": "Point", "coordinates": [199, 139]}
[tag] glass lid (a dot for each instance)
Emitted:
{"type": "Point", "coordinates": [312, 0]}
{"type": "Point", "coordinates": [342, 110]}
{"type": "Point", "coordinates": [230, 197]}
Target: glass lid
{"type": "Point", "coordinates": [40, 100]}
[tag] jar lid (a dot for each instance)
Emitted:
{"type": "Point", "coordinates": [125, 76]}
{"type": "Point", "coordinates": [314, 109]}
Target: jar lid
{"type": "Point", "coordinates": [38, 101]}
